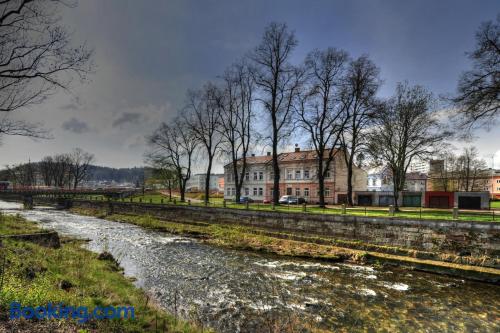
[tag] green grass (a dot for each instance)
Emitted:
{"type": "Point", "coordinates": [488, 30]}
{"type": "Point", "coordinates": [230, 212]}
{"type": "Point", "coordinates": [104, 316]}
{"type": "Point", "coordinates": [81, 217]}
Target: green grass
{"type": "Point", "coordinates": [33, 275]}
{"type": "Point", "coordinates": [10, 225]}
{"type": "Point", "coordinates": [495, 204]}
{"type": "Point", "coordinates": [405, 212]}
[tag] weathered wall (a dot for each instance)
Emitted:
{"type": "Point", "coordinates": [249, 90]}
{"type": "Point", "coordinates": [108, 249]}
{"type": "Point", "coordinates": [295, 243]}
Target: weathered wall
{"type": "Point", "coordinates": [48, 239]}
{"type": "Point", "coordinates": [434, 235]}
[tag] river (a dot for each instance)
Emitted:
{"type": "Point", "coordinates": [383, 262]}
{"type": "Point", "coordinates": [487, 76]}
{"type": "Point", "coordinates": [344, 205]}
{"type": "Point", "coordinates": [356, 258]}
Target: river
{"type": "Point", "coordinates": [239, 291]}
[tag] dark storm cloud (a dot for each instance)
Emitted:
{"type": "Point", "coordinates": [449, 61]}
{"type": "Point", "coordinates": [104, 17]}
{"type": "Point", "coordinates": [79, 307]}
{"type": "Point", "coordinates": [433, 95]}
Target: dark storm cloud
{"type": "Point", "coordinates": [76, 126]}
{"type": "Point", "coordinates": [148, 53]}
{"type": "Point", "coordinates": [127, 117]}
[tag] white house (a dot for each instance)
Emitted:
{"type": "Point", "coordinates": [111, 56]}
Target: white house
{"type": "Point", "coordinates": [380, 179]}
{"type": "Point", "coordinates": [197, 182]}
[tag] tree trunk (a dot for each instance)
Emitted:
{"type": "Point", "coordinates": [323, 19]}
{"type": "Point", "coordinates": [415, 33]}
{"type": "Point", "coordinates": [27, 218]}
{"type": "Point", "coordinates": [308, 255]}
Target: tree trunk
{"type": "Point", "coordinates": [349, 181]}
{"type": "Point", "coordinates": [276, 169]}
{"type": "Point", "coordinates": [321, 183]}
{"type": "Point", "coordinates": [236, 181]}
{"type": "Point", "coordinates": [182, 188]}
{"type": "Point", "coordinates": [207, 179]}
{"type": "Point", "coordinates": [398, 185]}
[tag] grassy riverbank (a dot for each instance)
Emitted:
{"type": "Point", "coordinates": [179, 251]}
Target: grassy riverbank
{"type": "Point", "coordinates": [289, 244]}
{"type": "Point", "coordinates": [492, 215]}
{"type": "Point", "coordinates": [34, 275]}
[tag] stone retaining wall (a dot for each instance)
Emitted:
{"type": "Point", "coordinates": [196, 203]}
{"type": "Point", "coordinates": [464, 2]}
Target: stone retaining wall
{"type": "Point", "coordinates": [477, 238]}
{"type": "Point", "coordinates": [48, 239]}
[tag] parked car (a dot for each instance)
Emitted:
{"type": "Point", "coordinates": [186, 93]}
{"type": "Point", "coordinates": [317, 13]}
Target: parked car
{"type": "Point", "coordinates": [246, 199]}
{"type": "Point", "coordinates": [291, 200]}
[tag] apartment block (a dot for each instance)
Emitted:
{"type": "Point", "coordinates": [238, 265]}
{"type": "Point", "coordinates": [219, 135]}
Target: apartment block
{"type": "Point", "coordinates": [298, 176]}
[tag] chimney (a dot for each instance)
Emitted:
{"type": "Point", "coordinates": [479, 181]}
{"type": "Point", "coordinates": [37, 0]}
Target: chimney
{"type": "Point", "coordinates": [268, 153]}
{"type": "Point", "coordinates": [297, 148]}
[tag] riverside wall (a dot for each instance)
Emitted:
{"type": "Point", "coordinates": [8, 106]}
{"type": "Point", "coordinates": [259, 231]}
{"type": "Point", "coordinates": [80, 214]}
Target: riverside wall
{"type": "Point", "coordinates": [457, 237]}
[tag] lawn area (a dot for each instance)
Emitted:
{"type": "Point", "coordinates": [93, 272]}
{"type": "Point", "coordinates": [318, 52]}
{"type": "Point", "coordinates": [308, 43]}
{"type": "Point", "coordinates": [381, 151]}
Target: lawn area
{"type": "Point", "coordinates": [405, 212]}
{"type": "Point", "coordinates": [15, 224]}
{"type": "Point", "coordinates": [36, 275]}
{"type": "Point", "coordinates": [495, 204]}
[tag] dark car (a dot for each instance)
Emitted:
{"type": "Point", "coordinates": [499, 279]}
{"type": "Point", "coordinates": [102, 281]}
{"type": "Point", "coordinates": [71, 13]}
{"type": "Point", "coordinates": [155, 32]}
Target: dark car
{"type": "Point", "coordinates": [291, 200]}
{"type": "Point", "coordinates": [246, 199]}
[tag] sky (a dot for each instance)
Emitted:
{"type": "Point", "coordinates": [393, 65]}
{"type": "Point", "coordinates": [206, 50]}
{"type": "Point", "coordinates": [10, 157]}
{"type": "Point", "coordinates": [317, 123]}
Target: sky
{"type": "Point", "coordinates": [149, 53]}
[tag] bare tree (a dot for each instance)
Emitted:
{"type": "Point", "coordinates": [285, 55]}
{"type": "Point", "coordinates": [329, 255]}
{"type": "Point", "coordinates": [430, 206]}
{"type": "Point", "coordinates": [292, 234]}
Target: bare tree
{"type": "Point", "coordinates": [22, 174]}
{"type": "Point", "coordinates": [22, 128]}
{"type": "Point", "coordinates": [177, 144]}
{"type": "Point", "coordinates": [204, 119]}
{"type": "Point", "coordinates": [80, 162]}
{"type": "Point", "coordinates": [237, 116]}
{"type": "Point", "coordinates": [61, 171]}
{"type": "Point", "coordinates": [279, 83]}
{"type": "Point", "coordinates": [163, 171]}
{"type": "Point", "coordinates": [320, 113]}
{"type": "Point", "coordinates": [478, 98]}
{"type": "Point", "coordinates": [358, 96]}
{"type": "Point", "coordinates": [36, 58]}
{"type": "Point", "coordinates": [406, 128]}
{"type": "Point", "coordinates": [46, 168]}
{"type": "Point", "coordinates": [471, 172]}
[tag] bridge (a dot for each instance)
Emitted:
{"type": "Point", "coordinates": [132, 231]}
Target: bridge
{"type": "Point", "coordinates": [63, 197]}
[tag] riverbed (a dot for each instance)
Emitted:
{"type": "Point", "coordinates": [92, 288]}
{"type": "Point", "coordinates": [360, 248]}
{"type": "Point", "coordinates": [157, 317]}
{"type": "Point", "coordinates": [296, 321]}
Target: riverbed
{"type": "Point", "coordinates": [239, 291]}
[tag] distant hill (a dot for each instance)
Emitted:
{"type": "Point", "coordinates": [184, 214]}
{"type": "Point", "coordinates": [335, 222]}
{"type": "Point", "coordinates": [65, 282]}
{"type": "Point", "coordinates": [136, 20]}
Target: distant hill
{"type": "Point", "coordinates": [100, 173]}
{"type": "Point", "coordinates": [121, 175]}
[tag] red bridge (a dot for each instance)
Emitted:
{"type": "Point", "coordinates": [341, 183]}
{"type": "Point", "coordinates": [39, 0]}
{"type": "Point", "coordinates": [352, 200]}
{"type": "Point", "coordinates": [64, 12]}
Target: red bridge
{"type": "Point", "coordinates": [61, 196]}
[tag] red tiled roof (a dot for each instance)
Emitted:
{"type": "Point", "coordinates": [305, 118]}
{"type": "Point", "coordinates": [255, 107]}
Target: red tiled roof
{"type": "Point", "coordinates": [305, 155]}
{"type": "Point", "coordinates": [259, 159]}
{"type": "Point", "coordinates": [302, 155]}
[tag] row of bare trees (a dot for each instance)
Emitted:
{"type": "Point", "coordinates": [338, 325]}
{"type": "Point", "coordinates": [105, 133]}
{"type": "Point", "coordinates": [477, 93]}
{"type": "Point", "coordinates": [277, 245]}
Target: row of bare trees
{"type": "Point", "coordinates": [461, 172]}
{"type": "Point", "coordinates": [329, 98]}
{"type": "Point", "coordinates": [62, 170]}
{"type": "Point", "coordinates": [217, 120]}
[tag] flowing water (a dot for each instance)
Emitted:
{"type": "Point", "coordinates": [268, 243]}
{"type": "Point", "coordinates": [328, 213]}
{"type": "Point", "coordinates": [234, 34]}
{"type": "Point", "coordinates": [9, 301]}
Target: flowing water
{"type": "Point", "coordinates": [237, 291]}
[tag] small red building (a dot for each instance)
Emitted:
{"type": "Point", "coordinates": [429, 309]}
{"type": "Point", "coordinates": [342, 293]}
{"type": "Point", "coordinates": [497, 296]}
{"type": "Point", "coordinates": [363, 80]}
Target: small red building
{"type": "Point", "coordinates": [439, 199]}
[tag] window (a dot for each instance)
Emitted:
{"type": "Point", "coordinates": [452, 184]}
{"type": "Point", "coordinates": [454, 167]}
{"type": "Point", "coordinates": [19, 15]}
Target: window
{"type": "Point", "coordinates": [255, 176]}
{"type": "Point", "coordinates": [261, 192]}
{"type": "Point", "coordinates": [297, 192]}
{"type": "Point", "coordinates": [306, 192]}
{"type": "Point", "coordinates": [247, 176]}
{"type": "Point", "coordinates": [228, 191]}
{"type": "Point", "coordinates": [233, 191]}
{"type": "Point", "coordinates": [271, 192]}
{"type": "Point", "coordinates": [271, 175]}
{"type": "Point", "coordinates": [261, 175]}
{"type": "Point", "coordinates": [247, 191]}
{"type": "Point", "coordinates": [289, 191]}
{"type": "Point", "coordinates": [498, 181]}
{"type": "Point", "coordinates": [327, 192]}
{"type": "Point", "coordinates": [288, 174]}
{"type": "Point", "coordinates": [328, 174]}
{"type": "Point", "coordinates": [306, 174]}
{"type": "Point", "coordinates": [255, 191]}
{"type": "Point", "coordinates": [297, 174]}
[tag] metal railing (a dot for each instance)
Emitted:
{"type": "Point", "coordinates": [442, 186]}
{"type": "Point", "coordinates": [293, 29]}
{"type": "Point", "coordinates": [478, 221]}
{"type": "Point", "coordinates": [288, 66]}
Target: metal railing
{"type": "Point", "coordinates": [419, 213]}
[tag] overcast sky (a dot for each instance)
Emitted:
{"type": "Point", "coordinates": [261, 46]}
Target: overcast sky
{"type": "Point", "coordinates": [148, 53]}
